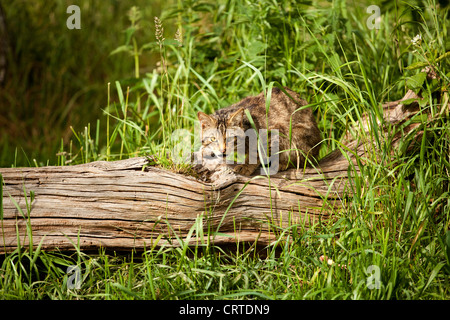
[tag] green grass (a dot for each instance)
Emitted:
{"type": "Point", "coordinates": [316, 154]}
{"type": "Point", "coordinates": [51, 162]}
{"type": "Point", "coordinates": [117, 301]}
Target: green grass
{"type": "Point", "coordinates": [397, 212]}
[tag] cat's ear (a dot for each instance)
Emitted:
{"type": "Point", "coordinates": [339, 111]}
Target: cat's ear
{"type": "Point", "coordinates": [236, 119]}
{"type": "Point", "coordinates": [205, 120]}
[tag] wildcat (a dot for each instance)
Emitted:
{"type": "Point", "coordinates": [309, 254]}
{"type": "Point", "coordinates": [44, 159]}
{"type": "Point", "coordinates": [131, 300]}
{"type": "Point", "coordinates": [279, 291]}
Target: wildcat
{"type": "Point", "coordinates": [225, 131]}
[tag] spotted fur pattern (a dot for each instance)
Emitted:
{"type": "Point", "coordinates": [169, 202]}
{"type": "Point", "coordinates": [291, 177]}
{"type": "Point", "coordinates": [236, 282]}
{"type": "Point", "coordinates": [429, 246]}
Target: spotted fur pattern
{"type": "Point", "coordinates": [223, 134]}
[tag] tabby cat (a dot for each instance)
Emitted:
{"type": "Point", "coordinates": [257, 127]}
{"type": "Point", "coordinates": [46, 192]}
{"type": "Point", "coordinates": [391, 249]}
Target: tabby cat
{"type": "Point", "coordinates": [229, 137]}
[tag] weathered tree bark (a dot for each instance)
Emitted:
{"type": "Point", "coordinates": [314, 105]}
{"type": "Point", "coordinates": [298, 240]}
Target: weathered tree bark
{"type": "Point", "coordinates": [120, 206]}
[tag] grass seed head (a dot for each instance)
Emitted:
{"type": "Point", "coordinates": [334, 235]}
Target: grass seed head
{"type": "Point", "coordinates": [159, 31]}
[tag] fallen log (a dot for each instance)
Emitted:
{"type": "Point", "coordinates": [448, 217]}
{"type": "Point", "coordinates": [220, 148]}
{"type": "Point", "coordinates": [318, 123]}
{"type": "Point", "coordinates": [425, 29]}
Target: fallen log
{"type": "Point", "coordinates": [124, 205]}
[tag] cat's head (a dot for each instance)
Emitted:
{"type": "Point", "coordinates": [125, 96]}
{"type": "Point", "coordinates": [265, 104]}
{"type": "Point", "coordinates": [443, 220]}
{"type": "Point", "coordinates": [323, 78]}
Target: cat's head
{"type": "Point", "coordinates": [218, 129]}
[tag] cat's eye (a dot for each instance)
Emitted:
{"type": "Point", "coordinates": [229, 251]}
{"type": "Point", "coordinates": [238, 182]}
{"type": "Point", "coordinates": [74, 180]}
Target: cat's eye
{"type": "Point", "coordinates": [212, 139]}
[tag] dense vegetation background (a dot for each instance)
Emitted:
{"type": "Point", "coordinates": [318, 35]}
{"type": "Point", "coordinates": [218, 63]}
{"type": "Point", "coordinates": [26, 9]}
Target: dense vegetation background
{"type": "Point", "coordinates": [56, 77]}
{"type": "Point", "coordinates": [122, 84]}
{"type": "Point", "coordinates": [56, 82]}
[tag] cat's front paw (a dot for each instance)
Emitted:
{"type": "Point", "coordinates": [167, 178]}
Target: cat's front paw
{"type": "Point", "coordinates": [202, 164]}
{"type": "Point", "coordinates": [244, 169]}
{"type": "Point", "coordinates": [222, 178]}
